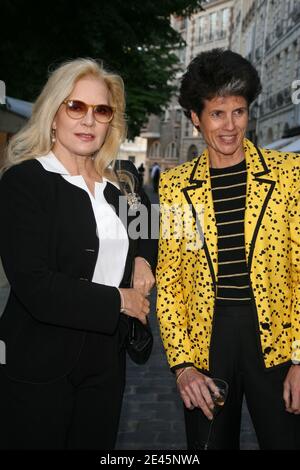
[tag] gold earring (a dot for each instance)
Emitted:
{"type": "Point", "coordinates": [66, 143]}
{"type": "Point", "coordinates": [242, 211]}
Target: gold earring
{"type": "Point", "coordinates": [53, 136]}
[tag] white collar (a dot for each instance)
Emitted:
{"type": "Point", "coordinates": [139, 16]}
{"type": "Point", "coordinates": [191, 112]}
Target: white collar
{"type": "Point", "coordinates": [51, 163]}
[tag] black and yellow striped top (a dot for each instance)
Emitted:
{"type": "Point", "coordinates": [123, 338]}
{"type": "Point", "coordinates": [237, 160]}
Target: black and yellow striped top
{"type": "Point", "coordinates": [229, 196]}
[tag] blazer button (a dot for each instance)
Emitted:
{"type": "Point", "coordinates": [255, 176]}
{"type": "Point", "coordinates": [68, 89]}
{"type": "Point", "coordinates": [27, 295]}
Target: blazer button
{"type": "Point", "coordinates": [89, 249]}
{"type": "Point", "coordinates": [83, 279]}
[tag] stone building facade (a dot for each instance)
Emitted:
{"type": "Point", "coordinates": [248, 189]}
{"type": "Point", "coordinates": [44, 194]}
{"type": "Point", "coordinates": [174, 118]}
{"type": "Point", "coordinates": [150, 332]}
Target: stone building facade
{"type": "Point", "coordinates": [163, 133]}
{"type": "Point", "coordinates": [267, 32]}
{"type": "Point", "coordinates": [172, 139]}
{"type": "Point", "coordinates": [205, 30]}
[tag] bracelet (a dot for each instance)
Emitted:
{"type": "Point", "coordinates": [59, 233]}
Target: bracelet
{"type": "Point", "coordinates": [147, 262]}
{"type": "Point", "coordinates": [179, 375]}
{"type": "Point", "coordinates": [183, 371]}
{"type": "Point", "coordinates": [122, 309]}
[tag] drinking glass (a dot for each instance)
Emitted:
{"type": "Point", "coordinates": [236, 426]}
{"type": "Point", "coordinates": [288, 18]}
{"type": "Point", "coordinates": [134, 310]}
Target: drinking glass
{"type": "Point", "coordinates": [218, 399]}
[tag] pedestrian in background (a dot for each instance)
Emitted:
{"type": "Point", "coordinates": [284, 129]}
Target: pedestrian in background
{"type": "Point", "coordinates": [155, 175]}
{"type": "Point", "coordinates": [141, 171]}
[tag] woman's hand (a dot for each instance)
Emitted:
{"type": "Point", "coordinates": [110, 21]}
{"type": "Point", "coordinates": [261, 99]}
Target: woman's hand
{"type": "Point", "coordinates": [194, 390]}
{"type": "Point", "coordinates": [135, 304]}
{"type": "Point", "coordinates": [143, 279]}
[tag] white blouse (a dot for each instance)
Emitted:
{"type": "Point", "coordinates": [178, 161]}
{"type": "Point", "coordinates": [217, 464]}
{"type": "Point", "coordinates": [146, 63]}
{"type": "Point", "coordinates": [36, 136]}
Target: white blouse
{"type": "Point", "coordinates": [113, 238]}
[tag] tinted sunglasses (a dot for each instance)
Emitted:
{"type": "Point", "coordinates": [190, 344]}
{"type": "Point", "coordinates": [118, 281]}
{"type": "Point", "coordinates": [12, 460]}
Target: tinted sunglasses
{"type": "Point", "coordinates": [77, 109]}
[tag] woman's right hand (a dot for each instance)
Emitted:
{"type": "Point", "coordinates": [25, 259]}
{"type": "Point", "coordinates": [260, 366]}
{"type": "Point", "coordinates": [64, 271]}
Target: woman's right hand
{"type": "Point", "coordinates": [135, 304]}
{"type": "Point", "coordinates": [194, 389]}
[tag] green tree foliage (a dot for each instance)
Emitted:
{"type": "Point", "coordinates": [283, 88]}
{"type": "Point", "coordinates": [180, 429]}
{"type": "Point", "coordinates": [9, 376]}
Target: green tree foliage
{"type": "Point", "coordinates": [131, 37]}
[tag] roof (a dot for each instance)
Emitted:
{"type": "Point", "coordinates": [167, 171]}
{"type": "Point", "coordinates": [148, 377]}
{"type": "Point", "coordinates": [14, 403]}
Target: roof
{"type": "Point", "coordinates": [293, 146]}
{"type": "Point", "coordinates": [278, 144]}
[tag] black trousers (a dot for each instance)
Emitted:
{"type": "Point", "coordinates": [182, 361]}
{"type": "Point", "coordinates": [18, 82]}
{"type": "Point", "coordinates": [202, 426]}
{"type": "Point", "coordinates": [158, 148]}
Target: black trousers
{"type": "Point", "coordinates": [78, 411]}
{"type": "Point", "coordinates": [235, 358]}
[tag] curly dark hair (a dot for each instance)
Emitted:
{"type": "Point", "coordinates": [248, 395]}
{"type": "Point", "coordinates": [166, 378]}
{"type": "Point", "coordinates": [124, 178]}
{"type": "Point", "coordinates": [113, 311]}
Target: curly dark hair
{"type": "Point", "coordinates": [217, 72]}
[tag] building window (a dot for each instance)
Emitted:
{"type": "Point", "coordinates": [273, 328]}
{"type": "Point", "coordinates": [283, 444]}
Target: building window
{"type": "Point", "coordinates": [270, 136]}
{"type": "Point", "coordinates": [286, 76]}
{"type": "Point", "coordinates": [171, 151]}
{"type": "Point", "coordinates": [250, 42]}
{"type": "Point", "coordinates": [178, 115]}
{"type": "Point", "coordinates": [181, 55]}
{"type": "Point", "coordinates": [225, 22]}
{"type": "Point", "coordinates": [285, 129]}
{"type": "Point", "coordinates": [201, 30]}
{"type": "Point", "coordinates": [187, 128]}
{"type": "Point", "coordinates": [212, 26]}
{"type": "Point", "coordinates": [182, 23]}
{"type": "Point", "coordinates": [155, 150]}
{"type": "Point", "coordinates": [294, 62]}
{"type": "Point", "coordinates": [167, 114]}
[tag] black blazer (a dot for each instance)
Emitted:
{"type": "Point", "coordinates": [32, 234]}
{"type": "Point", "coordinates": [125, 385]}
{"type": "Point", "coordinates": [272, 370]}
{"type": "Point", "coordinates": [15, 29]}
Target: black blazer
{"type": "Point", "coordinates": [49, 246]}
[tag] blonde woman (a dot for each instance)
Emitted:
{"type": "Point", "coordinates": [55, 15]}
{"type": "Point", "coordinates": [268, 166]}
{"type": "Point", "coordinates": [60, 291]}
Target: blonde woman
{"type": "Point", "coordinates": [68, 257]}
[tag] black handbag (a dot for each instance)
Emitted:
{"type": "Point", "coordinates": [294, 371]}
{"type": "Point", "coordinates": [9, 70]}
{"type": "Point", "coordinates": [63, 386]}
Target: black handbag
{"type": "Point", "coordinates": [139, 341]}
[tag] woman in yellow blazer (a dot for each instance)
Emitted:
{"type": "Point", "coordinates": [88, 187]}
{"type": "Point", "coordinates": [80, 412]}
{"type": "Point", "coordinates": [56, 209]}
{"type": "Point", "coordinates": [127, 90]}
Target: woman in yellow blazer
{"type": "Point", "coordinates": [228, 273]}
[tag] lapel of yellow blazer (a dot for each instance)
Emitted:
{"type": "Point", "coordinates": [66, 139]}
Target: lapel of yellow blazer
{"type": "Point", "coordinates": [259, 190]}
{"type": "Point", "coordinates": [198, 192]}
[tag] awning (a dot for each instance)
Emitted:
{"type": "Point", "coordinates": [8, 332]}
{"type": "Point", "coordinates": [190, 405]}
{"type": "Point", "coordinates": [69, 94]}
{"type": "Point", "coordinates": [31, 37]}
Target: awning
{"type": "Point", "coordinates": [14, 115]}
{"type": "Point", "coordinates": [150, 135]}
{"type": "Point", "coordinates": [23, 108]}
{"type": "Point", "coordinates": [278, 144]}
{"type": "Point", "coordinates": [293, 147]}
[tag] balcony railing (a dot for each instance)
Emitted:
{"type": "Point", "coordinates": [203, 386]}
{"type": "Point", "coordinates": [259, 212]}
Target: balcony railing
{"type": "Point", "coordinates": [296, 12]}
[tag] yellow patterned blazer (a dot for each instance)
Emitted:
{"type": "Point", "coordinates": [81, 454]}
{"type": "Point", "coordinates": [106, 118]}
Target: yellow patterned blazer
{"type": "Point", "coordinates": [187, 270]}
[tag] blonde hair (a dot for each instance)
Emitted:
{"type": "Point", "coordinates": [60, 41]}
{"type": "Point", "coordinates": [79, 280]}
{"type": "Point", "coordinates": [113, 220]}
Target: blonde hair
{"type": "Point", "coordinates": [34, 139]}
